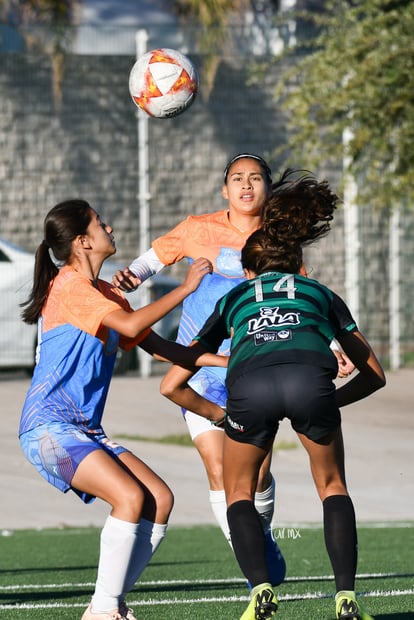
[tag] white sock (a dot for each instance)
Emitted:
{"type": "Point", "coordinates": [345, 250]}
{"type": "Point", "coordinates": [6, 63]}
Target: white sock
{"type": "Point", "coordinates": [265, 505]}
{"type": "Point", "coordinates": [149, 537]}
{"type": "Point", "coordinates": [219, 508]}
{"type": "Point", "coordinates": [117, 544]}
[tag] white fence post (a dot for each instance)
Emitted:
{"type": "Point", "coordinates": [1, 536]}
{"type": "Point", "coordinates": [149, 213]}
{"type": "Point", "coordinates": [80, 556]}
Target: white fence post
{"type": "Point", "coordinates": [143, 199]}
{"type": "Point", "coordinates": [351, 232]}
{"type": "Point", "coordinates": [394, 302]}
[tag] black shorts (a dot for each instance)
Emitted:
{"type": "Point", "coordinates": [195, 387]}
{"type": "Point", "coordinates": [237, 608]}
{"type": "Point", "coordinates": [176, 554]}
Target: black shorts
{"type": "Point", "coordinates": [258, 401]}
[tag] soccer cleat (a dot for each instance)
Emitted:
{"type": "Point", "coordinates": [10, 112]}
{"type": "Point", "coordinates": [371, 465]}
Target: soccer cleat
{"type": "Point", "coordinates": [276, 565]}
{"type": "Point", "coordinates": [347, 607]}
{"type": "Point", "coordinates": [109, 615]}
{"type": "Point", "coordinates": [263, 604]}
{"type": "Point", "coordinates": [126, 612]}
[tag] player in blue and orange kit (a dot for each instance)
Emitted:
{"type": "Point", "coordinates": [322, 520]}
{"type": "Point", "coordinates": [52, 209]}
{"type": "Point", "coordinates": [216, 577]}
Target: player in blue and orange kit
{"type": "Point", "coordinates": [83, 320]}
{"type": "Point", "coordinates": [281, 324]}
{"type": "Point", "coordinates": [218, 236]}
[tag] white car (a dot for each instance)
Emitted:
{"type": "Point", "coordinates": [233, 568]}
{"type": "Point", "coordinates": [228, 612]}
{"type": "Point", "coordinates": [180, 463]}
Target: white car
{"type": "Point", "coordinates": [18, 340]}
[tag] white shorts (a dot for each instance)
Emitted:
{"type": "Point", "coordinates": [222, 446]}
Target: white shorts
{"type": "Point", "coordinates": [197, 424]}
{"type": "Point", "coordinates": [209, 382]}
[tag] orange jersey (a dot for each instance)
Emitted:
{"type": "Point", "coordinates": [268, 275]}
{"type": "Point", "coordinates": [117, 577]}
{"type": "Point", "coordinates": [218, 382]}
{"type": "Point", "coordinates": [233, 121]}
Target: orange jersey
{"type": "Point", "coordinates": [211, 236]}
{"type": "Point", "coordinates": [74, 300]}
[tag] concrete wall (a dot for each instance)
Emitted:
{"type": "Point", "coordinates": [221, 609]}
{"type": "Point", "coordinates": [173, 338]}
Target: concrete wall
{"type": "Point", "coordinates": [87, 145]}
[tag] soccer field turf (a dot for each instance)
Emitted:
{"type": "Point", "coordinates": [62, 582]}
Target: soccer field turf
{"type": "Point", "coordinates": [49, 574]}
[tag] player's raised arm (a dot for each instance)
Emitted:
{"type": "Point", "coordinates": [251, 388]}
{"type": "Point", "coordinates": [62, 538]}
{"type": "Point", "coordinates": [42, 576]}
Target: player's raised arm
{"type": "Point", "coordinates": [131, 324]}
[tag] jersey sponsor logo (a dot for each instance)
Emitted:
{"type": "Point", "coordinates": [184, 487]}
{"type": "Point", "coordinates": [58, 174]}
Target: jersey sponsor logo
{"type": "Point", "coordinates": [271, 317]}
{"type": "Point", "coordinates": [263, 337]}
{"type": "Point", "coordinates": [235, 425]}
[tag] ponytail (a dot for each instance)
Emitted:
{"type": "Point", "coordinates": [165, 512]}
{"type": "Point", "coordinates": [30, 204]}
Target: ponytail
{"type": "Point", "coordinates": [298, 212]}
{"type": "Point", "coordinates": [44, 272]}
{"type": "Point", "coordinates": [62, 225]}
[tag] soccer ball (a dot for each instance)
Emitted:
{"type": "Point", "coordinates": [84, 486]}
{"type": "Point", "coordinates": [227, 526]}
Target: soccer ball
{"type": "Point", "coordinates": [163, 83]}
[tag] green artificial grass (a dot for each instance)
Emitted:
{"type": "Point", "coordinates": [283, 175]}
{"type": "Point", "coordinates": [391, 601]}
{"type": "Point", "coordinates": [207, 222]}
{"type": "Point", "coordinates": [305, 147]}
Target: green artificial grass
{"type": "Point", "coordinates": [49, 574]}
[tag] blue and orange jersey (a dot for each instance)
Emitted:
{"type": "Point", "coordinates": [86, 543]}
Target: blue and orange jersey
{"type": "Point", "coordinates": [211, 236]}
{"type": "Point", "coordinates": [76, 353]}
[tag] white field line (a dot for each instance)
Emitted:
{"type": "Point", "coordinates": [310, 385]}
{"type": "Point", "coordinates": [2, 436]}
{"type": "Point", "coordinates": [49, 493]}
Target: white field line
{"type": "Point", "coordinates": [187, 582]}
{"type": "Point", "coordinates": [180, 601]}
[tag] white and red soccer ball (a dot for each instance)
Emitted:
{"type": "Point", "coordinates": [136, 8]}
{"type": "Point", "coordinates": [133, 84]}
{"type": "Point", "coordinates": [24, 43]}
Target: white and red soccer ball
{"type": "Point", "coordinates": [163, 83]}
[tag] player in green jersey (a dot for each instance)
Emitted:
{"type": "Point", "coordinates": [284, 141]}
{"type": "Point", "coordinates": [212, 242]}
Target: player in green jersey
{"type": "Point", "coordinates": [281, 366]}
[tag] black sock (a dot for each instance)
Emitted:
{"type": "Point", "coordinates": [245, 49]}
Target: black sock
{"type": "Point", "coordinates": [248, 541]}
{"type": "Point", "coordinates": [341, 539]}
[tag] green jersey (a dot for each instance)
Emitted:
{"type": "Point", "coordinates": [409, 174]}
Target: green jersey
{"type": "Point", "coordinates": [277, 318]}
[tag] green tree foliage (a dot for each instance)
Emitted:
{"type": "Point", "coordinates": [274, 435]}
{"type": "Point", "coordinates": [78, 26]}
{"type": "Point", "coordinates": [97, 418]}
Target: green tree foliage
{"type": "Point", "coordinates": [355, 75]}
{"type": "Point", "coordinates": [210, 18]}
{"type": "Point", "coordinates": [49, 16]}
{"type": "Point", "coordinates": [208, 12]}
{"type": "Point", "coordinates": [46, 26]}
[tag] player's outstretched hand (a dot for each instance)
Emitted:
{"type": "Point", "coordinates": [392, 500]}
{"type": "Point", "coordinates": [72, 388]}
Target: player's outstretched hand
{"type": "Point", "coordinates": [125, 280]}
{"type": "Point", "coordinates": [196, 272]}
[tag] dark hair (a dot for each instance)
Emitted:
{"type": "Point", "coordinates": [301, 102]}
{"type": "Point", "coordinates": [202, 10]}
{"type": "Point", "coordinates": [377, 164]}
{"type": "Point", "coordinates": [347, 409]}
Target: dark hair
{"type": "Point", "coordinates": [298, 212]}
{"type": "Point", "coordinates": [62, 225]}
{"type": "Point", "coordinates": [264, 166]}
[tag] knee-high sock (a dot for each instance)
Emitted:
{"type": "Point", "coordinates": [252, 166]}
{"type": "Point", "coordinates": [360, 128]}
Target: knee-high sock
{"type": "Point", "coordinates": [264, 502]}
{"type": "Point", "coordinates": [219, 508]}
{"type": "Point", "coordinates": [248, 541]}
{"type": "Point", "coordinates": [149, 537]}
{"type": "Point", "coordinates": [341, 539]}
{"type": "Point", "coordinates": [117, 543]}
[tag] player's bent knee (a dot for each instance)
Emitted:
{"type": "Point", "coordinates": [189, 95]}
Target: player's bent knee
{"type": "Point", "coordinates": [164, 503]}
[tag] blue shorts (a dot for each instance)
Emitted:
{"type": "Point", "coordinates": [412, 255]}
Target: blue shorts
{"type": "Point", "coordinates": [210, 382]}
{"type": "Point", "coordinates": [56, 449]}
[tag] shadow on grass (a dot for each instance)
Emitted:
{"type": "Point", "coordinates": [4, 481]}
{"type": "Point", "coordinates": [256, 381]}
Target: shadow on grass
{"type": "Point", "coordinates": [46, 570]}
{"type": "Point", "coordinates": [373, 577]}
{"type": "Point", "coordinates": [406, 615]}
{"type": "Point", "coordinates": [31, 597]}
{"type": "Point", "coordinates": [187, 588]}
